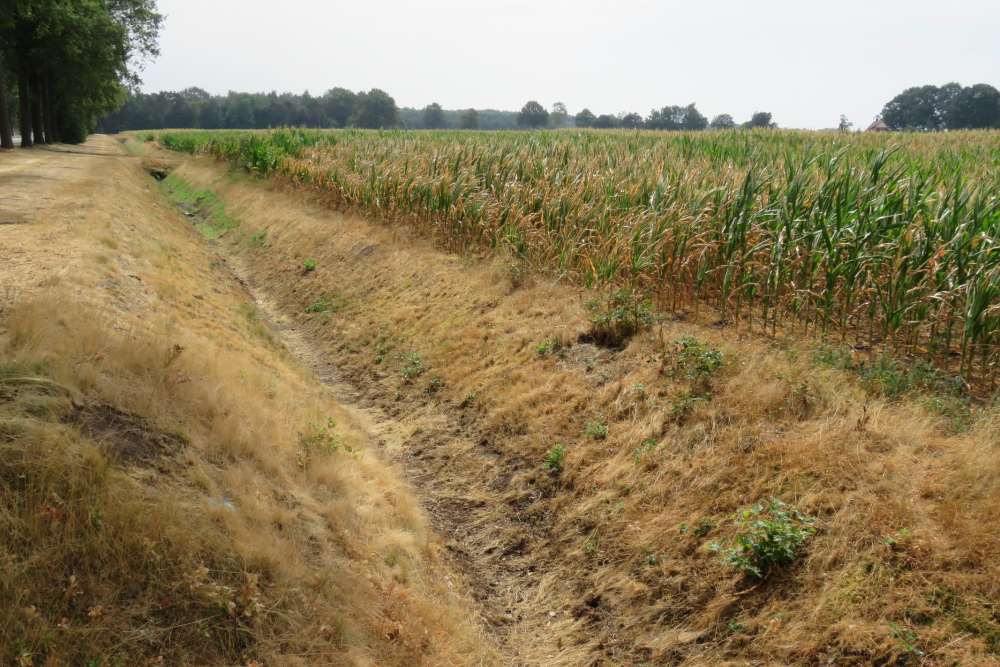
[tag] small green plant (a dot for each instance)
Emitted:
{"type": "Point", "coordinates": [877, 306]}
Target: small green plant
{"type": "Point", "coordinates": [641, 450]}
{"type": "Point", "coordinates": [700, 529]}
{"type": "Point", "coordinates": [320, 439]}
{"type": "Point", "coordinates": [595, 429]}
{"type": "Point", "coordinates": [619, 316]}
{"type": "Point", "coordinates": [471, 397]}
{"type": "Point", "coordinates": [906, 639]}
{"type": "Point", "coordinates": [309, 265]}
{"type": "Point", "coordinates": [554, 458]}
{"type": "Point", "coordinates": [695, 361]}
{"type": "Point", "coordinates": [96, 519]}
{"type": "Point", "coordinates": [685, 402]}
{"type": "Point", "coordinates": [414, 367]}
{"type": "Point", "coordinates": [551, 346]}
{"type": "Point", "coordinates": [770, 535]}
{"type": "Point", "coordinates": [316, 307]}
{"type": "Point", "coordinates": [435, 385]}
{"type": "Point", "coordinates": [895, 538]}
{"type": "Point", "coordinates": [257, 240]}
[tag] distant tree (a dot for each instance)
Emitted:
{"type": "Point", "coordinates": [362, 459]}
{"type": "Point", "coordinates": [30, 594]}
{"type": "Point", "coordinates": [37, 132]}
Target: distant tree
{"type": "Point", "coordinates": [585, 118]}
{"type": "Point", "coordinates": [975, 107]}
{"type": "Point", "coordinates": [606, 122]}
{"type": "Point", "coordinates": [723, 122]}
{"type": "Point", "coordinates": [915, 108]}
{"type": "Point", "coordinates": [630, 121]}
{"type": "Point", "coordinates": [469, 120]}
{"type": "Point", "coordinates": [376, 110]}
{"type": "Point", "coordinates": [667, 118]}
{"type": "Point", "coordinates": [845, 125]}
{"type": "Point", "coordinates": [239, 112]}
{"type": "Point", "coordinates": [759, 119]}
{"type": "Point", "coordinates": [559, 116]}
{"type": "Point", "coordinates": [532, 115]}
{"type": "Point", "coordinates": [692, 119]}
{"type": "Point", "coordinates": [339, 105]}
{"type": "Point", "coordinates": [433, 117]}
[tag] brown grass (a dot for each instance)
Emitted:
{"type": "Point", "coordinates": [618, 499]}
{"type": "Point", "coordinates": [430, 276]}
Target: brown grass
{"type": "Point", "coordinates": [159, 504]}
{"type": "Point", "coordinates": [563, 562]}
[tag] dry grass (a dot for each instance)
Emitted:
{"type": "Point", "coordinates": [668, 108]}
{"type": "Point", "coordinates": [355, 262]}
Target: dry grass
{"type": "Point", "coordinates": [160, 504]}
{"type": "Point", "coordinates": [589, 566]}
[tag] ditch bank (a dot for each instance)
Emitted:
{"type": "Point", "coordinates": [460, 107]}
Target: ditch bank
{"type": "Point", "coordinates": [579, 486]}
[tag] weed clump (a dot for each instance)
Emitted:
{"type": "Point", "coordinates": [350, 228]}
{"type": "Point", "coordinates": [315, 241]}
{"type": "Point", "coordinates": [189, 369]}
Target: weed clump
{"type": "Point", "coordinates": [770, 535]}
{"type": "Point", "coordinates": [618, 317]}
{"type": "Point", "coordinates": [554, 458]}
{"type": "Point", "coordinates": [551, 346]}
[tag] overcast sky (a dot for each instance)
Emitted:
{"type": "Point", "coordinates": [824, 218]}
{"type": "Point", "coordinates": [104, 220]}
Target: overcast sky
{"type": "Point", "coordinates": [806, 61]}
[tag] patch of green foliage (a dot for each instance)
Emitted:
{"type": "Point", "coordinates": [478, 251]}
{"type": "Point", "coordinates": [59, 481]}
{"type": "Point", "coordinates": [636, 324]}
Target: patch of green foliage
{"type": "Point", "coordinates": [309, 265]}
{"type": "Point", "coordinates": [554, 458]}
{"type": "Point", "coordinates": [619, 316]}
{"type": "Point", "coordinates": [700, 529]}
{"type": "Point", "coordinates": [769, 536]}
{"type": "Point", "coordinates": [694, 361]}
{"type": "Point", "coordinates": [319, 438]}
{"type": "Point", "coordinates": [596, 430]}
{"type": "Point", "coordinates": [413, 367]}
{"type": "Point", "coordinates": [941, 393]}
{"type": "Point", "coordinates": [258, 240]}
{"type": "Point", "coordinates": [206, 212]}
{"type": "Point", "coordinates": [551, 346]}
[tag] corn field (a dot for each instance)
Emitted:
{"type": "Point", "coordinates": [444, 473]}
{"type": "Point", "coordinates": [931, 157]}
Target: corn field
{"type": "Point", "coordinates": [886, 241]}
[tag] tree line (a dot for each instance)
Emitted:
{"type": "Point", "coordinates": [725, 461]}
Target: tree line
{"type": "Point", "coordinates": [947, 107]}
{"type": "Point", "coordinates": [68, 63]}
{"type": "Point", "coordinates": [376, 109]}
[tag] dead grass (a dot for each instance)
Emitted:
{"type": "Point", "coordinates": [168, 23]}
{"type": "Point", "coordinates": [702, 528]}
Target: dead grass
{"type": "Point", "coordinates": [160, 505]}
{"type": "Point", "coordinates": [589, 566]}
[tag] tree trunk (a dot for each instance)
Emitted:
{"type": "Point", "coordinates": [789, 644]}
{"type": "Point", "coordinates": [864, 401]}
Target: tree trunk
{"type": "Point", "coordinates": [6, 138]}
{"type": "Point", "coordinates": [24, 100]}
{"type": "Point", "coordinates": [37, 127]}
{"type": "Point", "coordinates": [51, 134]}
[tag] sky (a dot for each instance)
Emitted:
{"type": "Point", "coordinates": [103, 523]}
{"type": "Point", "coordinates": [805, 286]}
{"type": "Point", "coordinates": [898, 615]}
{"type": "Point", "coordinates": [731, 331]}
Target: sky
{"type": "Point", "coordinates": [805, 61]}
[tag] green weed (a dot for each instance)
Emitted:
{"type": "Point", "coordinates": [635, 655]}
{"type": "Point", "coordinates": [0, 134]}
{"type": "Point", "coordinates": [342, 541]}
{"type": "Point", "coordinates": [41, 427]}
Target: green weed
{"type": "Point", "coordinates": [769, 536]}
{"type": "Point", "coordinates": [554, 458]}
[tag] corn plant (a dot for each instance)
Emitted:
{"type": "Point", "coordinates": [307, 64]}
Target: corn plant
{"type": "Point", "coordinates": [888, 242]}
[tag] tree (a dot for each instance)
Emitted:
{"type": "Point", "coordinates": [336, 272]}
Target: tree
{"type": "Point", "coordinates": [606, 122]}
{"type": "Point", "coordinates": [559, 116]}
{"type": "Point", "coordinates": [74, 60]}
{"type": "Point", "coordinates": [469, 120]}
{"type": "Point", "coordinates": [631, 121]}
{"type": "Point", "coordinates": [6, 136]}
{"type": "Point", "coordinates": [759, 119]}
{"type": "Point", "coordinates": [692, 119]}
{"type": "Point", "coordinates": [949, 107]}
{"type": "Point", "coordinates": [433, 117]}
{"type": "Point", "coordinates": [723, 122]}
{"type": "Point", "coordinates": [585, 118]}
{"type": "Point", "coordinates": [376, 110]}
{"type": "Point", "coordinates": [975, 107]}
{"type": "Point", "coordinates": [532, 115]}
{"type": "Point", "coordinates": [667, 118]}
{"type": "Point", "coordinates": [845, 125]}
{"type": "Point", "coordinates": [915, 108]}
{"type": "Point", "coordinates": [340, 105]}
